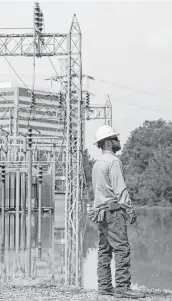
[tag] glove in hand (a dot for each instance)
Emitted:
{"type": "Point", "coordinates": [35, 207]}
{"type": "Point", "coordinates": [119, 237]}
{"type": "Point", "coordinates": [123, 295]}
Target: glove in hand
{"type": "Point", "coordinates": [101, 216]}
{"type": "Point", "coordinates": [132, 216]}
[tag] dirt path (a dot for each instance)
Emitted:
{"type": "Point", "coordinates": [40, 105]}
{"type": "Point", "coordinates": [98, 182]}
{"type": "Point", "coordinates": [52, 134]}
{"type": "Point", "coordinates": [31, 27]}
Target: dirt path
{"type": "Point", "coordinates": [23, 290]}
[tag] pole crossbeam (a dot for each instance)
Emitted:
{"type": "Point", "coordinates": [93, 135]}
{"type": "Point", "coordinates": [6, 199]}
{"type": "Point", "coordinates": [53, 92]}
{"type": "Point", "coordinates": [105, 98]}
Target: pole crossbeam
{"type": "Point", "coordinates": [38, 113]}
{"type": "Point", "coordinates": [104, 112]}
{"type": "Point", "coordinates": [23, 45]}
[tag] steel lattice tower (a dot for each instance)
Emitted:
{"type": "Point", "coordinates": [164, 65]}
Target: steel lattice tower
{"type": "Point", "coordinates": [73, 152]}
{"type": "Point", "coordinates": [108, 111]}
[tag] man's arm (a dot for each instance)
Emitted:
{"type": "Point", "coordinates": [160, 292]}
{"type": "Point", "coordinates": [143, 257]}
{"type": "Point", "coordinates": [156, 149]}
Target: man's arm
{"type": "Point", "coordinates": [119, 186]}
{"type": "Point", "coordinates": [120, 190]}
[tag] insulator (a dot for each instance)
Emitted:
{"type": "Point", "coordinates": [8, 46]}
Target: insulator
{"type": "Point", "coordinates": [40, 21]}
{"type": "Point", "coordinates": [37, 7]}
{"type": "Point", "coordinates": [38, 18]}
{"type": "Point", "coordinates": [37, 12]}
{"type": "Point", "coordinates": [87, 99]}
{"type": "Point", "coordinates": [30, 137]}
{"type": "Point", "coordinates": [25, 146]}
{"type": "Point", "coordinates": [40, 174]}
{"type": "Point", "coordinates": [3, 172]}
{"type": "Point", "coordinates": [60, 98]}
{"type": "Point", "coordinates": [75, 141]}
{"type": "Point", "coordinates": [33, 98]}
{"type": "Point", "coordinates": [40, 26]}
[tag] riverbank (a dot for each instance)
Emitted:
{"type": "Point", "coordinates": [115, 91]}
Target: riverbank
{"type": "Point", "coordinates": [36, 290]}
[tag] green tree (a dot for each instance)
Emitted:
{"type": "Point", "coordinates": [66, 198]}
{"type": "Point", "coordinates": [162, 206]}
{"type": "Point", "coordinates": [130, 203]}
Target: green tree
{"type": "Point", "coordinates": [88, 165]}
{"type": "Point", "coordinates": [147, 161]}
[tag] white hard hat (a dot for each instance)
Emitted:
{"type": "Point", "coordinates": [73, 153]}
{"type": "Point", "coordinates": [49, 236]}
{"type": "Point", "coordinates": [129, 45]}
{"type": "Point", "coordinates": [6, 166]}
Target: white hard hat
{"type": "Point", "coordinates": [105, 131]}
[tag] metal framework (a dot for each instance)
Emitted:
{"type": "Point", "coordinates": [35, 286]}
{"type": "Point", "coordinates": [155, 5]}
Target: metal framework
{"type": "Point", "coordinates": [23, 44]}
{"type": "Point", "coordinates": [74, 114]}
{"type": "Point", "coordinates": [73, 156]}
{"type": "Point", "coordinates": [100, 112]}
{"type": "Point", "coordinates": [62, 45]}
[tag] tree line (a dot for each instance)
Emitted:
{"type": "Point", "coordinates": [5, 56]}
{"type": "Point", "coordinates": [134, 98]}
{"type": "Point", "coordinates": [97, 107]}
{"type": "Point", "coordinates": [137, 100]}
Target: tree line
{"type": "Point", "coordinates": [147, 163]}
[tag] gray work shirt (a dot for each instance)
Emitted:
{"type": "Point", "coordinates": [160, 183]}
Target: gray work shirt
{"type": "Point", "coordinates": [108, 181]}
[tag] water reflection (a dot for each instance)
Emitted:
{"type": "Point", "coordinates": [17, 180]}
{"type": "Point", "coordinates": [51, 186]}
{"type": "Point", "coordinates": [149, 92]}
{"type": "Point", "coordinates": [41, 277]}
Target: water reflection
{"type": "Point", "coordinates": [150, 239]}
{"type": "Point", "coordinates": [151, 245]}
{"type": "Point", "coordinates": [13, 251]}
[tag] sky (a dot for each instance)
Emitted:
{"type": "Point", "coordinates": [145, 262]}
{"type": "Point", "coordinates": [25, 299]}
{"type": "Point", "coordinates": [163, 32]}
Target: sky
{"type": "Point", "coordinates": [127, 48]}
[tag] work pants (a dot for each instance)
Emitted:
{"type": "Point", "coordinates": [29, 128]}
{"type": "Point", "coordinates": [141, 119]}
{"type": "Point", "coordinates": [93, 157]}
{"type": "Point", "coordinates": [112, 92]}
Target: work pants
{"type": "Point", "coordinates": [113, 237]}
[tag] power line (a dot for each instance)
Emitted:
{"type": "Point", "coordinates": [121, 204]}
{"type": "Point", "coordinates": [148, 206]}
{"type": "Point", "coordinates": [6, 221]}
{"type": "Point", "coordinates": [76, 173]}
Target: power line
{"type": "Point", "coordinates": [34, 95]}
{"type": "Point", "coordinates": [7, 28]}
{"type": "Point", "coordinates": [53, 65]}
{"type": "Point", "coordinates": [135, 105]}
{"type": "Point", "coordinates": [32, 91]}
{"type": "Point", "coordinates": [51, 60]}
{"type": "Point", "coordinates": [49, 49]}
{"type": "Point", "coordinates": [14, 105]}
{"type": "Point", "coordinates": [4, 114]}
{"type": "Point", "coordinates": [111, 83]}
{"type": "Point", "coordinates": [33, 80]}
{"type": "Point", "coordinates": [145, 107]}
{"type": "Point", "coordinates": [131, 89]}
{"type": "Point", "coordinates": [137, 91]}
{"type": "Point", "coordinates": [24, 82]}
{"type": "Point", "coordinates": [104, 81]}
{"type": "Point", "coordinates": [64, 124]}
{"type": "Point", "coordinates": [15, 72]}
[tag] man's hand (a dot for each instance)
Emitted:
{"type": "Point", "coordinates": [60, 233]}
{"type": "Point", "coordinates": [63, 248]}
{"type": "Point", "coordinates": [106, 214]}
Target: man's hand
{"type": "Point", "coordinates": [132, 216]}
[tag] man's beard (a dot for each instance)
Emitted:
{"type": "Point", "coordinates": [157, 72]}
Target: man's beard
{"type": "Point", "coordinates": [116, 148]}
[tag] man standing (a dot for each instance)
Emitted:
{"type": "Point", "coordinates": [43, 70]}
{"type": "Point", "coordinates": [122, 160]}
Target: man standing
{"type": "Point", "coordinates": [112, 205]}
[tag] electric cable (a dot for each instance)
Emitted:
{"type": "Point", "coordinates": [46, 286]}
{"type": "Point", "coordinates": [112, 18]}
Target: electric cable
{"type": "Point", "coordinates": [64, 124]}
{"type": "Point", "coordinates": [37, 98]}
{"type": "Point", "coordinates": [15, 72]}
{"type": "Point", "coordinates": [33, 73]}
{"type": "Point", "coordinates": [4, 113]}
{"type": "Point", "coordinates": [132, 89]}
{"type": "Point", "coordinates": [106, 82]}
{"type": "Point", "coordinates": [31, 94]}
{"type": "Point", "coordinates": [111, 83]}
{"type": "Point", "coordinates": [30, 90]}
{"type": "Point", "coordinates": [134, 105]}
{"type": "Point", "coordinates": [57, 159]}
{"type": "Point", "coordinates": [9, 101]}
{"type": "Point", "coordinates": [51, 59]}
{"type": "Point", "coordinates": [14, 105]}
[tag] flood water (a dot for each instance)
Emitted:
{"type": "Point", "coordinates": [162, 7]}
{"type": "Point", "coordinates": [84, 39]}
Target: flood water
{"type": "Point", "coordinates": [150, 240]}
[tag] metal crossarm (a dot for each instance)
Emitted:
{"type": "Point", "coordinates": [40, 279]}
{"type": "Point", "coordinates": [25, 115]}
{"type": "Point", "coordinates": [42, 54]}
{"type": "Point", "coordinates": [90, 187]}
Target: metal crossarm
{"type": "Point", "coordinates": [23, 44]}
{"type": "Point", "coordinates": [100, 112]}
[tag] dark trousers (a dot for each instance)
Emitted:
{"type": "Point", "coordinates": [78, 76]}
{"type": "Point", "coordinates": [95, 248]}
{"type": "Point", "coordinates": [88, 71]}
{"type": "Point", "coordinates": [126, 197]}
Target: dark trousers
{"type": "Point", "coordinates": [113, 237]}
